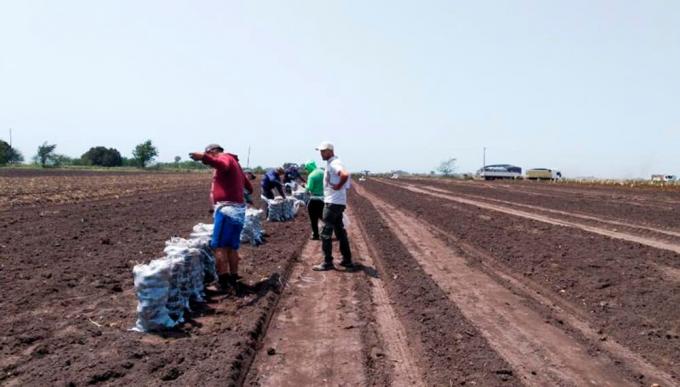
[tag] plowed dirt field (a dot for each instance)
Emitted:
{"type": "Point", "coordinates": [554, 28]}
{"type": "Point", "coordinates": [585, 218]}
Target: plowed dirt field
{"type": "Point", "coordinates": [456, 283]}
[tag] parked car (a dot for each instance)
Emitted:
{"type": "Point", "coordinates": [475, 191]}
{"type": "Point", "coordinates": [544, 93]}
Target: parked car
{"type": "Point", "coordinates": [499, 171]}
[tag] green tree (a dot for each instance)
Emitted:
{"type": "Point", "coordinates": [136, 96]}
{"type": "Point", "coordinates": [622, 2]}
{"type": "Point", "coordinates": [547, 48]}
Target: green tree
{"type": "Point", "coordinates": [102, 156]}
{"type": "Point", "coordinates": [144, 153]}
{"type": "Point", "coordinates": [59, 160]}
{"type": "Point", "coordinates": [447, 167]}
{"type": "Point", "coordinates": [45, 155]}
{"type": "Point", "coordinates": [9, 155]}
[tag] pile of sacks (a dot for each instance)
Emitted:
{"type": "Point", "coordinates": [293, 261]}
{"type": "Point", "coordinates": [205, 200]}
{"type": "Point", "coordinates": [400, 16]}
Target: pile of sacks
{"type": "Point", "coordinates": [166, 286]}
{"type": "Point", "coordinates": [252, 228]}
{"type": "Point", "coordinates": [281, 210]}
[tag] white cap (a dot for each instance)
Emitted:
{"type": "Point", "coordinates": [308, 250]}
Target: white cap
{"type": "Point", "coordinates": [324, 146]}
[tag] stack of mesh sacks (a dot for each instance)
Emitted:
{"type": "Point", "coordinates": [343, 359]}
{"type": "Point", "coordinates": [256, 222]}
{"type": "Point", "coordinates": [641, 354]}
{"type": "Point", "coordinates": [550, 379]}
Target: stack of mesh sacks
{"type": "Point", "coordinates": [281, 210]}
{"type": "Point", "coordinates": [166, 286]}
{"type": "Point", "coordinates": [252, 228]}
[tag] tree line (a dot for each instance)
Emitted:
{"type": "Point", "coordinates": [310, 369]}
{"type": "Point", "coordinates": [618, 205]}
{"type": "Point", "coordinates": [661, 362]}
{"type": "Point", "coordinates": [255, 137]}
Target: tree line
{"type": "Point", "coordinates": [46, 156]}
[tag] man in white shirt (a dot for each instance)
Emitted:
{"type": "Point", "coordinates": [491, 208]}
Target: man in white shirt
{"type": "Point", "coordinates": [336, 183]}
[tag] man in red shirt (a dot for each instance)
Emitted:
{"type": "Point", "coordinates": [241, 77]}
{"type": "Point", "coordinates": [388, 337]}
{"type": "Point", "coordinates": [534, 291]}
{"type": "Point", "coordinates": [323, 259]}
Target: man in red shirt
{"type": "Point", "coordinates": [226, 195]}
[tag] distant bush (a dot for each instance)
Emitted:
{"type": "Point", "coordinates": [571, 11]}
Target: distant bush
{"type": "Point", "coordinates": [182, 165]}
{"type": "Point", "coordinates": [102, 156]}
{"type": "Point", "coordinates": [9, 155]}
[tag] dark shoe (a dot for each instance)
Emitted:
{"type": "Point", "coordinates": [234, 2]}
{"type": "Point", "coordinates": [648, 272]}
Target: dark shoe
{"type": "Point", "coordinates": [325, 266]}
{"type": "Point", "coordinates": [228, 280]}
{"type": "Point", "coordinates": [347, 264]}
{"type": "Point", "coordinates": [224, 280]}
{"type": "Point", "coordinates": [314, 237]}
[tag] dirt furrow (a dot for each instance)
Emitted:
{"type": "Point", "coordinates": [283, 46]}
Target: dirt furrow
{"type": "Point", "coordinates": [541, 353]}
{"type": "Point", "coordinates": [623, 290]}
{"type": "Point", "coordinates": [404, 369]}
{"type": "Point", "coordinates": [313, 338]}
{"type": "Point", "coordinates": [326, 332]}
{"type": "Point", "coordinates": [448, 349]}
{"type": "Point", "coordinates": [66, 314]}
{"type": "Point", "coordinates": [546, 219]}
{"type": "Point", "coordinates": [628, 225]}
{"type": "Point", "coordinates": [651, 207]}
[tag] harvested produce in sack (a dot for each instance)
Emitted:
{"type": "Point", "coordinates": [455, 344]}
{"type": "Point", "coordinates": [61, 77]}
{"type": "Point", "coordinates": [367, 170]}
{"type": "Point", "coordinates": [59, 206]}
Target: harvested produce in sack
{"type": "Point", "coordinates": [252, 228]}
{"type": "Point", "coordinates": [166, 287]}
{"type": "Point", "coordinates": [302, 194]}
{"type": "Point", "coordinates": [152, 285]}
{"type": "Point", "coordinates": [281, 210]}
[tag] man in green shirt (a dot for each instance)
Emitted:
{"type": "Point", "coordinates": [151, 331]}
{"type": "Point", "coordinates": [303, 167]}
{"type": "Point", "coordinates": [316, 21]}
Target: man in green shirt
{"type": "Point", "coordinates": [315, 188]}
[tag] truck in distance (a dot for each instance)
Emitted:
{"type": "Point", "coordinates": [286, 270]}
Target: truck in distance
{"type": "Point", "coordinates": [499, 171]}
{"type": "Point", "coordinates": [543, 174]}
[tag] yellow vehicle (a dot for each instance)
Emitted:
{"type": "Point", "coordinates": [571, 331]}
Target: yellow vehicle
{"type": "Point", "coordinates": [543, 174]}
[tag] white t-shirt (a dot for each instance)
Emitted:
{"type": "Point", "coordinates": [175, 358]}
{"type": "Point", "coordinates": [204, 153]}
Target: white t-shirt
{"type": "Point", "coordinates": [331, 178]}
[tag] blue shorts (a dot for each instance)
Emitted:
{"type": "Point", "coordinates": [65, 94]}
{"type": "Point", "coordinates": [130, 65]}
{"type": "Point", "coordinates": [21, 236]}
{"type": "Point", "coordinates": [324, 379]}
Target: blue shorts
{"type": "Point", "coordinates": [226, 232]}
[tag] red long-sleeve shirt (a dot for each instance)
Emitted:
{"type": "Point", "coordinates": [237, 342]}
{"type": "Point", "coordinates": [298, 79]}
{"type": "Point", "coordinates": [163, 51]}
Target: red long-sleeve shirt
{"type": "Point", "coordinates": [228, 178]}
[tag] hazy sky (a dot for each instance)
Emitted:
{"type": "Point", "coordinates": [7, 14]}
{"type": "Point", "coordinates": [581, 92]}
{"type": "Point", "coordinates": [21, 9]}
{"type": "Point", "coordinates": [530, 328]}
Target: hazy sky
{"type": "Point", "coordinates": [590, 87]}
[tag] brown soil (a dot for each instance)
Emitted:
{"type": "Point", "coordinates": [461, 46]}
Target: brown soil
{"type": "Point", "coordinates": [336, 328]}
{"type": "Point", "coordinates": [642, 206]}
{"type": "Point", "coordinates": [617, 285]}
{"type": "Point", "coordinates": [449, 349]}
{"type": "Point", "coordinates": [654, 237]}
{"type": "Point", "coordinates": [487, 284]}
{"type": "Point", "coordinates": [70, 299]}
{"type": "Point", "coordinates": [43, 187]}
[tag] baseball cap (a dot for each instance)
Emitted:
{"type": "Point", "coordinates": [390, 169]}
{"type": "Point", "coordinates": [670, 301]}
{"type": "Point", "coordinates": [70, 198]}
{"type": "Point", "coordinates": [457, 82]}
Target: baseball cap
{"type": "Point", "coordinates": [213, 147]}
{"type": "Point", "coordinates": [325, 146]}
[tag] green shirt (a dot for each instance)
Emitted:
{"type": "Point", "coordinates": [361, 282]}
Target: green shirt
{"type": "Point", "coordinates": [315, 182]}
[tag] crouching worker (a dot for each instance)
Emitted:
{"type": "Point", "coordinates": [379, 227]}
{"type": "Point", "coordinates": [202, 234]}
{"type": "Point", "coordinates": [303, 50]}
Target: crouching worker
{"type": "Point", "coordinates": [227, 196]}
{"type": "Point", "coordinates": [270, 181]}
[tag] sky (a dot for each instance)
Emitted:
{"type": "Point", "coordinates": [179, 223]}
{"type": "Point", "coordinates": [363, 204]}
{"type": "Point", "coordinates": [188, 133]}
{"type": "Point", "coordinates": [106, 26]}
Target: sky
{"type": "Point", "coordinates": [588, 87]}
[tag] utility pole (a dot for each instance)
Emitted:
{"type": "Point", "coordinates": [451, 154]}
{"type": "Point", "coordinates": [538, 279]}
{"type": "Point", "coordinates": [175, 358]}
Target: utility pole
{"type": "Point", "coordinates": [10, 137]}
{"type": "Point", "coordinates": [248, 160]}
{"type": "Point", "coordinates": [484, 158]}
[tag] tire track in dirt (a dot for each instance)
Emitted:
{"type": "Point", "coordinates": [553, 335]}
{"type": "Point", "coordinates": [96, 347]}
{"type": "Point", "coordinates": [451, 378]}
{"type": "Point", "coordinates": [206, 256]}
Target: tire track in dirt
{"type": "Point", "coordinates": [541, 353]}
{"type": "Point", "coordinates": [635, 197]}
{"type": "Point", "coordinates": [449, 349]}
{"type": "Point", "coordinates": [618, 287]}
{"type": "Point", "coordinates": [558, 212]}
{"type": "Point", "coordinates": [321, 326]}
{"type": "Point", "coordinates": [545, 219]}
{"type": "Point", "coordinates": [562, 310]}
{"type": "Point", "coordinates": [392, 331]}
{"type": "Point", "coordinates": [312, 338]}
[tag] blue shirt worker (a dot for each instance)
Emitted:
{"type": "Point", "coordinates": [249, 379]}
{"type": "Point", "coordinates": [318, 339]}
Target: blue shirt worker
{"type": "Point", "coordinates": [292, 175]}
{"type": "Point", "coordinates": [270, 181]}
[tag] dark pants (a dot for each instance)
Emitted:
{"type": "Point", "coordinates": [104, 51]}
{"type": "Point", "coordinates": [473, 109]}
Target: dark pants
{"type": "Point", "coordinates": [315, 209]}
{"type": "Point", "coordinates": [268, 193]}
{"type": "Point", "coordinates": [332, 219]}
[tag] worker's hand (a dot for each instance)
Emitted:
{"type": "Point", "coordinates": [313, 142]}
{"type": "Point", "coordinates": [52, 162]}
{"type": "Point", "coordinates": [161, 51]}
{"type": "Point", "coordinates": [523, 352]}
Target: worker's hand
{"type": "Point", "coordinates": [196, 156]}
{"type": "Point", "coordinates": [337, 187]}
